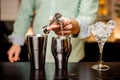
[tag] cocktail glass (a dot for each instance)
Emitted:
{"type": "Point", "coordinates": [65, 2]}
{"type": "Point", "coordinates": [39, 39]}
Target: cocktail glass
{"type": "Point", "coordinates": [101, 32]}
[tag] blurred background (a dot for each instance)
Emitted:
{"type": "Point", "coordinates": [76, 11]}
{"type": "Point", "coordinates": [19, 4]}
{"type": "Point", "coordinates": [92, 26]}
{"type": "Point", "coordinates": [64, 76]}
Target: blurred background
{"type": "Point", "coordinates": [108, 9]}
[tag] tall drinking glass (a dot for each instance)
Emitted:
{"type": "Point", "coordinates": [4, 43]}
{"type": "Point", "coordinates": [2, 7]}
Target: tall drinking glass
{"type": "Point", "coordinates": [61, 49]}
{"type": "Point", "coordinates": [101, 32]}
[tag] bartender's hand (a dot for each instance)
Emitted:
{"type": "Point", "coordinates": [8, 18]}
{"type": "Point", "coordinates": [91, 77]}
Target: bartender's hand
{"type": "Point", "coordinates": [13, 53]}
{"type": "Point", "coordinates": [70, 26]}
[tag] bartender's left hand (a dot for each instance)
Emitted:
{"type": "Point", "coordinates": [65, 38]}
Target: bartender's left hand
{"type": "Point", "coordinates": [70, 26]}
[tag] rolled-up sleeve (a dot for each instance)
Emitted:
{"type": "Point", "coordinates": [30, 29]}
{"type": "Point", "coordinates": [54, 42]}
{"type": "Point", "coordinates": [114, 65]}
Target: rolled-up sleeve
{"type": "Point", "coordinates": [87, 15]}
{"type": "Point", "coordinates": [22, 22]}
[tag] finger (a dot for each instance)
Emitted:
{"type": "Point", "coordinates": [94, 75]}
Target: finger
{"type": "Point", "coordinates": [68, 32]}
{"type": "Point", "coordinates": [57, 30]}
{"type": "Point", "coordinates": [16, 56]}
{"type": "Point", "coordinates": [53, 26]}
{"type": "Point", "coordinates": [66, 21]}
{"type": "Point", "coordinates": [10, 56]}
{"type": "Point", "coordinates": [68, 27]}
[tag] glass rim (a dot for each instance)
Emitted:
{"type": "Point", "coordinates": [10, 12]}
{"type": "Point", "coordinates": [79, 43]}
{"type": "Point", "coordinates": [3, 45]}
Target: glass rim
{"type": "Point", "coordinates": [37, 35]}
{"type": "Point", "coordinates": [61, 37]}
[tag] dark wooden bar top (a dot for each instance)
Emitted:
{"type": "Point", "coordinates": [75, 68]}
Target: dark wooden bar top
{"type": "Point", "coordinates": [75, 71]}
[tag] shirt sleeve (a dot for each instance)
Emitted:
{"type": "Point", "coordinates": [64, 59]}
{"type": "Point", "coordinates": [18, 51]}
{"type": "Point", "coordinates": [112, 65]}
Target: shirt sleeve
{"type": "Point", "coordinates": [86, 16]}
{"type": "Point", "coordinates": [23, 22]}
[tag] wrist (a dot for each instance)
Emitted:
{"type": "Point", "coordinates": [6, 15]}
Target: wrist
{"type": "Point", "coordinates": [76, 28]}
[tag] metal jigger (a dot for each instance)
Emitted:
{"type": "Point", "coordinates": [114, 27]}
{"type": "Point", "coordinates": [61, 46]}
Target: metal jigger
{"type": "Point", "coordinates": [56, 18]}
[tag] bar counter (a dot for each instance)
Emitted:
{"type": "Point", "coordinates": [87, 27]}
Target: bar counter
{"type": "Point", "coordinates": [75, 71]}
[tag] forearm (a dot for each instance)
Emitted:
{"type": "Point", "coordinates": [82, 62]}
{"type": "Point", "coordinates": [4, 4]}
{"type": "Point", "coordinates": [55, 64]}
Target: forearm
{"type": "Point", "coordinates": [86, 16]}
{"type": "Point", "coordinates": [23, 21]}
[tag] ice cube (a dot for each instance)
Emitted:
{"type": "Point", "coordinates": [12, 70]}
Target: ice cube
{"type": "Point", "coordinates": [111, 24]}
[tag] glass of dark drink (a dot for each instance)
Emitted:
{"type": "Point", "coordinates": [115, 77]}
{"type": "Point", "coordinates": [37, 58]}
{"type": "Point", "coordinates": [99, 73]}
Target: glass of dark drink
{"type": "Point", "coordinates": [37, 44]}
{"type": "Point", "coordinates": [61, 49]}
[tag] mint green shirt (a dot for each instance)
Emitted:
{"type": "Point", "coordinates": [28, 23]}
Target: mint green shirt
{"type": "Point", "coordinates": [84, 11]}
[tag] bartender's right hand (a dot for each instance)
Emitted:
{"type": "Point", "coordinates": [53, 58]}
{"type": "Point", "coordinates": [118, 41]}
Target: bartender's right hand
{"type": "Point", "coordinates": [13, 53]}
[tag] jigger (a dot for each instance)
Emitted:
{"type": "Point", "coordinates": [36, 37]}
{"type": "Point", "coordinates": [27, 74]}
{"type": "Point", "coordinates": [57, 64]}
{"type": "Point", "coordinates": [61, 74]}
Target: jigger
{"type": "Point", "coordinates": [56, 18]}
{"type": "Point", "coordinates": [61, 49]}
{"type": "Point", "coordinates": [37, 50]}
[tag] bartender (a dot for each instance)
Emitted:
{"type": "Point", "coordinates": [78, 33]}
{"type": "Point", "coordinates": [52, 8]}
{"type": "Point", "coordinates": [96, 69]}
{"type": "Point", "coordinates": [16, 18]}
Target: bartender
{"type": "Point", "coordinates": [79, 14]}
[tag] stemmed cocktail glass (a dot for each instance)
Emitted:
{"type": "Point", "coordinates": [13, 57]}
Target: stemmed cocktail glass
{"type": "Point", "coordinates": [101, 32]}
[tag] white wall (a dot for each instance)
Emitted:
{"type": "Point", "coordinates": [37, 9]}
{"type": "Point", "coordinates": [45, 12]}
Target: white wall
{"type": "Point", "coordinates": [9, 10]}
